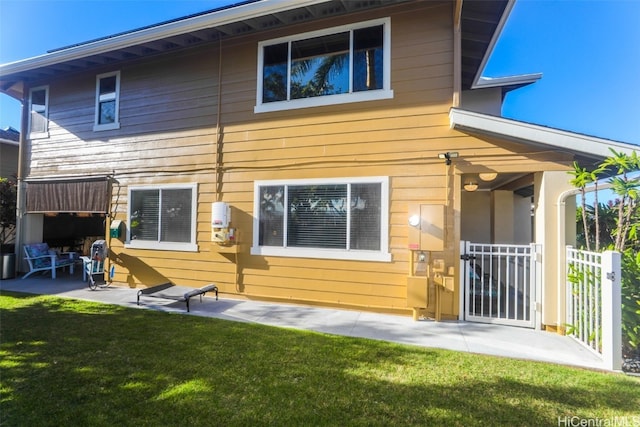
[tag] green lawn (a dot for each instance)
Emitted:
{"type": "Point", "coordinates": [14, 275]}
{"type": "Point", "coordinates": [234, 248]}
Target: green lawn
{"type": "Point", "coordinates": [68, 363]}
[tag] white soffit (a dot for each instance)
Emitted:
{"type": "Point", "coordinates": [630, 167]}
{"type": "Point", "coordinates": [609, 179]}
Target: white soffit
{"type": "Point", "coordinates": [591, 146]}
{"type": "Point", "coordinates": [519, 80]}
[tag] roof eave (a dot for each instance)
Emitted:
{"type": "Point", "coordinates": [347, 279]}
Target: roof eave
{"type": "Point", "coordinates": [584, 145]}
{"type": "Point", "coordinates": [215, 18]}
{"type": "Point", "coordinates": [518, 80]}
{"type": "Point", "coordinates": [492, 43]}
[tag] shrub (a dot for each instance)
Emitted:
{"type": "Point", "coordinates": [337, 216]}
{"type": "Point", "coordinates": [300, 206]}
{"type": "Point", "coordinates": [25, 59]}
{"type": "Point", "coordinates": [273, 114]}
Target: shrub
{"type": "Point", "coordinates": [631, 303]}
{"type": "Point", "coordinates": [8, 200]}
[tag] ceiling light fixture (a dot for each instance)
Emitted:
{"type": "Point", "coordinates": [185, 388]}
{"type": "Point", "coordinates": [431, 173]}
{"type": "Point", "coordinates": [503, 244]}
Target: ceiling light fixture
{"type": "Point", "coordinates": [471, 186]}
{"type": "Point", "coordinates": [488, 176]}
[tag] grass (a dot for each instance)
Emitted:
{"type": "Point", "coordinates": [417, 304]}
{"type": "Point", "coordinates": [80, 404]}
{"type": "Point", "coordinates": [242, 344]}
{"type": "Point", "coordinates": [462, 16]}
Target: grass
{"type": "Point", "coordinates": [68, 362]}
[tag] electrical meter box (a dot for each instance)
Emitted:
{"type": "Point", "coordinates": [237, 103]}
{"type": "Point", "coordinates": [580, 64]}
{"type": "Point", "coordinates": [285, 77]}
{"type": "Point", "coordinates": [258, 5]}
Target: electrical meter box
{"type": "Point", "coordinates": [417, 288]}
{"type": "Point", "coordinates": [427, 227]}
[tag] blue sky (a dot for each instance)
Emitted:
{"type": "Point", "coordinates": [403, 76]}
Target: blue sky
{"type": "Point", "coordinates": [587, 50]}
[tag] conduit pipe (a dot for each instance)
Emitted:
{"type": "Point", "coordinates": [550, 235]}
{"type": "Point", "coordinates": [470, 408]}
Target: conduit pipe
{"type": "Point", "coordinates": [218, 168]}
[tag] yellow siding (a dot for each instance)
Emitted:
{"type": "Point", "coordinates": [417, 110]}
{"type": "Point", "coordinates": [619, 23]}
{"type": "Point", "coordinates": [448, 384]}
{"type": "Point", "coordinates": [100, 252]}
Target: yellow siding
{"type": "Point", "coordinates": [168, 115]}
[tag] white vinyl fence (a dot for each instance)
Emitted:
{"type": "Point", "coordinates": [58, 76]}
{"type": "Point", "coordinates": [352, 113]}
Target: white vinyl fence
{"type": "Point", "coordinates": [594, 303]}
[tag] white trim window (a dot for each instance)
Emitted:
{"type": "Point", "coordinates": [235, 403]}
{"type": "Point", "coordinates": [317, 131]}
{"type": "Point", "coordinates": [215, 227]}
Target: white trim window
{"type": "Point", "coordinates": [163, 217]}
{"type": "Point", "coordinates": [39, 112]}
{"type": "Point", "coordinates": [107, 101]}
{"type": "Point", "coordinates": [344, 64]}
{"type": "Point", "coordinates": [343, 218]}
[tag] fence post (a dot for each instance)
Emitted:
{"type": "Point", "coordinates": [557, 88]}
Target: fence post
{"type": "Point", "coordinates": [611, 310]}
{"type": "Point", "coordinates": [464, 249]}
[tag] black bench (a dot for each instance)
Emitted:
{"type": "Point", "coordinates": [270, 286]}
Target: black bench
{"type": "Point", "coordinates": [177, 293]}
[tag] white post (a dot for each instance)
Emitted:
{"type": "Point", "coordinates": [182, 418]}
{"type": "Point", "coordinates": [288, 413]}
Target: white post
{"type": "Point", "coordinates": [611, 310]}
{"type": "Point", "coordinates": [536, 285]}
{"type": "Point", "coordinates": [464, 249]}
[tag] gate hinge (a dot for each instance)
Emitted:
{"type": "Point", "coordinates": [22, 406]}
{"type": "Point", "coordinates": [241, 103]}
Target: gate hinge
{"type": "Point", "coordinates": [611, 276]}
{"type": "Point", "coordinates": [467, 257]}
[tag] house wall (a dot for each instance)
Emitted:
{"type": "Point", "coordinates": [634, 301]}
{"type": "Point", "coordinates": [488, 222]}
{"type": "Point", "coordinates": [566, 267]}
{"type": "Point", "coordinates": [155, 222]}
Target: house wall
{"type": "Point", "coordinates": [488, 100]}
{"type": "Point", "coordinates": [476, 208]}
{"type": "Point", "coordinates": [484, 207]}
{"type": "Point", "coordinates": [169, 116]}
{"type": "Point", "coordinates": [502, 217]}
{"type": "Point", "coordinates": [523, 227]}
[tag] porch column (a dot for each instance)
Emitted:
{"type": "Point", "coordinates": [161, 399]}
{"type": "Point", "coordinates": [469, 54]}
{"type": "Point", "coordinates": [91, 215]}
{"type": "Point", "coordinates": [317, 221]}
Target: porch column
{"type": "Point", "coordinates": [553, 234]}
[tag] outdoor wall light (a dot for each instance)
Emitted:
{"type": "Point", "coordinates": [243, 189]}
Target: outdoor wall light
{"type": "Point", "coordinates": [414, 220]}
{"type": "Point", "coordinates": [448, 156]}
{"type": "Point", "coordinates": [488, 176]}
{"type": "Point", "coordinates": [471, 186]}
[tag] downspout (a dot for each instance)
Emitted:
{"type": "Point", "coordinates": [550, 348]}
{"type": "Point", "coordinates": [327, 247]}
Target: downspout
{"type": "Point", "coordinates": [21, 199]}
{"type": "Point", "coordinates": [455, 103]}
{"type": "Point", "coordinates": [219, 172]}
{"type": "Point", "coordinates": [218, 169]}
{"type": "Point", "coordinates": [457, 53]}
{"type": "Point", "coordinates": [561, 252]}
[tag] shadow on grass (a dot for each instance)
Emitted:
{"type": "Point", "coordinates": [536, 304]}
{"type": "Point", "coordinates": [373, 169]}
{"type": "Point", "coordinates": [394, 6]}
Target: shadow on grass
{"type": "Point", "coordinates": [67, 362]}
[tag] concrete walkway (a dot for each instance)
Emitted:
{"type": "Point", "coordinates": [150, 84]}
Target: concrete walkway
{"type": "Point", "coordinates": [497, 340]}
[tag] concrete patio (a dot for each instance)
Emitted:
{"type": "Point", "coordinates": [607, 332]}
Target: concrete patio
{"type": "Point", "coordinates": [496, 340]}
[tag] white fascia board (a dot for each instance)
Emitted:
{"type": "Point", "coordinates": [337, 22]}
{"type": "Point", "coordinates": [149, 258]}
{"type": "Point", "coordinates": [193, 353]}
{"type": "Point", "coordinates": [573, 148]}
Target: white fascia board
{"type": "Point", "coordinates": [521, 79]}
{"type": "Point", "coordinates": [492, 43]}
{"type": "Point", "coordinates": [526, 132]}
{"type": "Point", "coordinates": [195, 23]}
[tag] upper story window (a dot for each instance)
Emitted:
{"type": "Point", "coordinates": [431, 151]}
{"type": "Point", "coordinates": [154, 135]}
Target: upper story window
{"type": "Point", "coordinates": [333, 66]}
{"type": "Point", "coordinates": [163, 217]}
{"type": "Point", "coordinates": [107, 101]}
{"type": "Point", "coordinates": [39, 112]}
{"type": "Point", "coordinates": [344, 218]}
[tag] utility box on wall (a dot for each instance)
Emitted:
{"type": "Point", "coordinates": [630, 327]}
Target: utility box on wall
{"type": "Point", "coordinates": [220, 215]}
{"type": "Point", "coordinates": [427, 227]}
{"type": "Point", "coordinates": [417, 291]}
{"type": "Point", "coordinates": [114, 229]}
{"type": "Point", "coordinates": [221, 233]}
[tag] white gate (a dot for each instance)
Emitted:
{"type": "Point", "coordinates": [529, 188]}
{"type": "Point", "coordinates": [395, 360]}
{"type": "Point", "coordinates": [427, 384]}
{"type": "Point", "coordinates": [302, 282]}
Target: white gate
{"type": "Point", "coordinates": [594, 301]}
{"type": "Point", "coordinates": [499, 283]}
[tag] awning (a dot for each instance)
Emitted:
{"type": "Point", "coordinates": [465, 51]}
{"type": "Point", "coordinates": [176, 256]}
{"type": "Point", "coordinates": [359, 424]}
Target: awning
{"type": "Point", "coordinates": [68, 195]}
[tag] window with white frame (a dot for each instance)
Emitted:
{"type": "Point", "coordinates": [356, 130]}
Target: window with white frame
{"type": "Point", "coordinates": [163, 217]}
{"type": "Point", "coordinates": [39, 112]}
{"type": "Point", "coordinates": [338, 65]}
{"type": "Point", "coordinates": [107, 101]}
{"type": "Point", "coordinates": [322, 218]}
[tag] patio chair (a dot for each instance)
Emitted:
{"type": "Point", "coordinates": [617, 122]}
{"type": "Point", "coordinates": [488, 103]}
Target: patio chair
{"type": "Point", "coordinates": [41, 258]}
